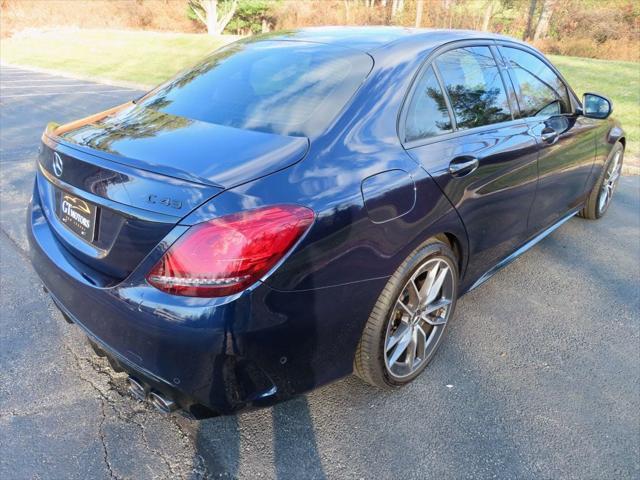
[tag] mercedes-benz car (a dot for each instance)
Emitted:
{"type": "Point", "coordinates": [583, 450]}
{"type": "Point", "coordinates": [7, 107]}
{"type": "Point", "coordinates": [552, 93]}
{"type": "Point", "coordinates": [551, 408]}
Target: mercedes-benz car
{"type": "Point", "coordinates": [307, 204]}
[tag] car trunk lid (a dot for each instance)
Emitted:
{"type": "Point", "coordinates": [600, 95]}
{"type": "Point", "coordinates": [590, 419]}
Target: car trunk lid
{"type": "Point", "coordinates": [179, 147]}
{"type": "Point", "coordinates": [131, 178]}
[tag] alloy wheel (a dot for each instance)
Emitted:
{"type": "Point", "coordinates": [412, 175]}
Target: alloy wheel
{"type": "Point", "coordinates": [418, 318]}
{"type": "Point", "coordinates": [609, 183]}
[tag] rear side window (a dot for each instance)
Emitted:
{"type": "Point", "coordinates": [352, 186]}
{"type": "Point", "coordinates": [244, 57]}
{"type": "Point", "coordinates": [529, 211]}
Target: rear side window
{"type": "Point", "coordinates": [540, 91]}
{"type": "Point", "coordinates": [283, 87]}
{"type": "Point", "coordinates": [427, 115]}
{"type": "Point", "coordinates": [474, 86]}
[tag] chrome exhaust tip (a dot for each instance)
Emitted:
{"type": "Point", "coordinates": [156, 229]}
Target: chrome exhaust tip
{"type": "Point", "coordinates": [161, 403]}
{"type": "Point", "coordinates": [137, 389]}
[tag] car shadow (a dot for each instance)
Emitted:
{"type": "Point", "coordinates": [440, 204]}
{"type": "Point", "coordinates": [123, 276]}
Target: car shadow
{"type": "Point", "coordinates": [347, 429]}
{"type": "Point", "coordinates": [284, 432]}
{"type": "Point", "coordinates": [294, 439]}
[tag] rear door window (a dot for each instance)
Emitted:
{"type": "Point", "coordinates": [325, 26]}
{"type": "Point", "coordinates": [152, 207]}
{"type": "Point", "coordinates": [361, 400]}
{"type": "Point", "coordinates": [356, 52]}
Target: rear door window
{"type": "Point", "coordinates": [427, 115]}
{"type": "Point", "coordinates": [474, 86]}
{"type": "Point", "coordinates": [540, 92]}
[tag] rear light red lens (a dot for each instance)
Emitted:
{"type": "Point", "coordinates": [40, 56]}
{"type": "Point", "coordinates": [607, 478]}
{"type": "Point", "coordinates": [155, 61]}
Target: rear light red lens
{"type": "Point", "coordinates": [227, 254]}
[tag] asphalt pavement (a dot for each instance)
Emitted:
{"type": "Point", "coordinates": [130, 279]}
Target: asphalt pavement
{"type": "Point", "coordinates": [539, 376]}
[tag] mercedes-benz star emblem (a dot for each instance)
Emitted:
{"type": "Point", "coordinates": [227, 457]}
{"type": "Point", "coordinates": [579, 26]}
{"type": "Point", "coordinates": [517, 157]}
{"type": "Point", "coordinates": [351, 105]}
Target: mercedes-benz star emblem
{"type": "Point", "coordinates": [57, 164]}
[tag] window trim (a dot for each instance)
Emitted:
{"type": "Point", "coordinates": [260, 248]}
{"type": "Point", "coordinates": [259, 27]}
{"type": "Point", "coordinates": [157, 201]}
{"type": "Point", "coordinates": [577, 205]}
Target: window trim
{"type": "Point", "coordinates": [504, 85]}
{"type": "Point", "coordinates": [573, 98]}
{"type": "Point", "coordinates": [509, 87]}
{"type": "Point", "coordinates": [445, 95]}
{"type": "Point", "coordinates": [494, 45]}
{"type": "Point", "coordinates": [430, 61]}
{"type": "Point", "coordinates": [462, 133]}
{"type": "Point", "coordinates": [556, 91]}
{"type": "Point", "coordinates": [402, 131]}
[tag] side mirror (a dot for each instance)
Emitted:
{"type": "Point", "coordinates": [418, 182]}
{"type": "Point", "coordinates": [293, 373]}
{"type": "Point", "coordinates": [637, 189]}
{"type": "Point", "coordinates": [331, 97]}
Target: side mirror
{"type": "Point", "coordinates": [596, 106]}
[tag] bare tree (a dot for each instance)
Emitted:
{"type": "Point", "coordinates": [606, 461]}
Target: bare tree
{"type": "Point", "coordinates": [397, 6]}
{"type": "Point", "coordinates": [530, 15]}
{"type": "Point", "coordinates": [214, 14]}
{"type": "Point", "coordinates": [488, 14]}
{"type": "Point", "coordinates": [419, 9]}
{"type": "Point", "coordinates": [545, 18]}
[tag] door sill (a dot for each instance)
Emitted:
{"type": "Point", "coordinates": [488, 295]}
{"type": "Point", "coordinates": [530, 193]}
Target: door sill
{"type": "Point", "coordinates": [530, 243]}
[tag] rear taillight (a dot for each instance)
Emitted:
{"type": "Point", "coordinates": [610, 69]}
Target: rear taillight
{"type": "Point", "coordinates": [227, 254]}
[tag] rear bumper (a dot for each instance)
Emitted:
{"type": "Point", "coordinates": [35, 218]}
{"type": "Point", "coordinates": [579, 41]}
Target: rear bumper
{"type": "Point", "coordinates": [181, 351]}
{"type": "Point", "coordinates": [154, 383]}
{"type": "Point", "coordinates": [255, 349]}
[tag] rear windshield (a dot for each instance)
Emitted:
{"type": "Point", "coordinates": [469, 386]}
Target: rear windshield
{"type": "Point", "coordinates": [283, 87]}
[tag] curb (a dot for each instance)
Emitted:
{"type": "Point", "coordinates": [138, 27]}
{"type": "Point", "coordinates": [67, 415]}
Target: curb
{"type": "Point", "coordinates": [61, 73]}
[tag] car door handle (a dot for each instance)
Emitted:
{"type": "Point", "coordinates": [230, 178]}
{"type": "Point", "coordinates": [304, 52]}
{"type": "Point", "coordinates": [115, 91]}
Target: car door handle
{"type": "Point", "coordinates": [548, 135]}
{"type": "Point", "coordinates": [464, 165]}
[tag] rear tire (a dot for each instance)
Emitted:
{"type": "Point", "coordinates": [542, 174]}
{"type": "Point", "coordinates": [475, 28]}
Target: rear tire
{"type": "Point", "coordinates": [411, 313]}
{"type": "Point", "coordinates": [600, 196]}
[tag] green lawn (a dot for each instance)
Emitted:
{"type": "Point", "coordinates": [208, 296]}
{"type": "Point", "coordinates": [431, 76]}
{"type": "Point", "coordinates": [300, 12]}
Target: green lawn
{"type": "Point", "coordinates": [620, 81]}
{"type": "Point", "coordinates": [151, 58]}
{"type": "Point", "coordinates": [143, 57]}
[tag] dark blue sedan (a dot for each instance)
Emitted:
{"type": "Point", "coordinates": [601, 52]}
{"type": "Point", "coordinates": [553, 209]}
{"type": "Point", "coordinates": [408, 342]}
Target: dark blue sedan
{"type": "Point", "coordinates": [308, 204]}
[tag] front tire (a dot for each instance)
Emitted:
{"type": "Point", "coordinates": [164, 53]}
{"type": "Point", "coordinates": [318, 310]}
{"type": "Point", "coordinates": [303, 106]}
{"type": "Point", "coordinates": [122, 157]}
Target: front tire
{"type": "Point", "coordinates": [600, 196]}
{"type": "Point", "coordinates": [409, 319]}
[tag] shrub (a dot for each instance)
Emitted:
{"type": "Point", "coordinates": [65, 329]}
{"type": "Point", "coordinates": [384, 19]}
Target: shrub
{"type": "Point", "coordinates": [253, 16]}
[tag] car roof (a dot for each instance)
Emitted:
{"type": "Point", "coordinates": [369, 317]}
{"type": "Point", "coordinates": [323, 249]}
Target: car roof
{"type": "Point", "coordinates": [375, 39]}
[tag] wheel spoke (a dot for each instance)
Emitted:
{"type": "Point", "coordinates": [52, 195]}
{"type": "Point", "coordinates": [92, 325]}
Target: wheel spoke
{"type": "Point", "coordinates": [604, 198]}
{"type": "Point", "coordinates": [428, 281]}
{"type": "Point", "coordinates": [421, 349]}
{"type": "Point", "coordinates": [416, 291]}
{"type": "Point", "coordinates": [436, 286]}
{"type": "Point", "coordinates": [411, 349]}
{"type": "Point", "coordinates": [435, 322]}
{"type": "Point", "coordinates": [402, 330]}
{"type": "Point", "coordinates": [438, 304]}
{"type": "Point", "coordinates": [614, 177]}
{"type": "Point", "coordinates": [615, 162]}
{"type": "Point", "coordinates": [401, 346]}
{"type": "Point", "coordinates": [404, 307]}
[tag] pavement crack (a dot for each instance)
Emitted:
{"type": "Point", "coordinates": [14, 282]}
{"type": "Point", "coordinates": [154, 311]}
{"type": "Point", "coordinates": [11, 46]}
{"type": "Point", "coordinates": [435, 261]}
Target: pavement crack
{"type": "Point", "coordinates": [104, 398]}
{"type": "Point", "coordinates": [103, 440]}
{"type": "Point", "coordinates": [21, 251]}
{"type": "Point", "coordinates": [77, 359]}
{"type": "Point", "coordinates": [156, 452]}
{"type": "Point", "coordinates": [103, 401]}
